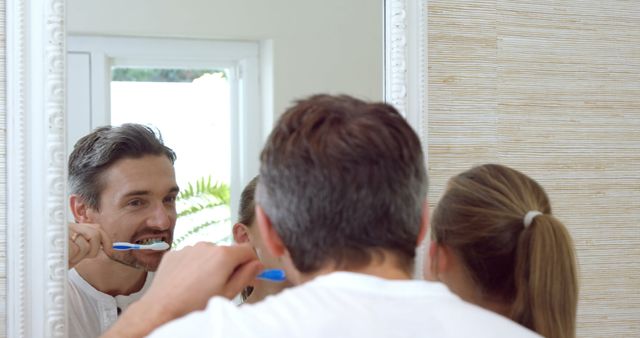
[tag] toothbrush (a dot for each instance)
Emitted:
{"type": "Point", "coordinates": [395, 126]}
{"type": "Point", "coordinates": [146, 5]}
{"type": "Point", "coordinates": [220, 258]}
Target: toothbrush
{"type": "Point", "coordinates": [123, 246]}
{"type": "Point", "coordinates": [272, 275]}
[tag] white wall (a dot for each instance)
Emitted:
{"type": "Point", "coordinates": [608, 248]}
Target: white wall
{"type": "Point", "coordinates": [3, 179]}
{"type": "Point", "coordinates": [318, 46]}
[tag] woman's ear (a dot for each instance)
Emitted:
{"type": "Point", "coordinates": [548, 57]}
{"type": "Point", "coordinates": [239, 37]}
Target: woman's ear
{"type": "Point", "coordinates": [438, 262]}
{"type": "Point", "coordinates": [240, 233]}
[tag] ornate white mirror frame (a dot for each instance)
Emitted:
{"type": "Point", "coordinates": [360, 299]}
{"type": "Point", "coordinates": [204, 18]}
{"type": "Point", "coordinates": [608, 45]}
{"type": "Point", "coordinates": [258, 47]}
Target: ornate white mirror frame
{"type": "Point", "coordinates": [36, 161]}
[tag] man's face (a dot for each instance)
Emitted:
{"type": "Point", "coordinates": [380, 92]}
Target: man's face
{"type": "Point", "coordinates": [138, 205]}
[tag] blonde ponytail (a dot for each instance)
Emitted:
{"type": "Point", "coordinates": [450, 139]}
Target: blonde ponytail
{"type": "Point", "coordinates": [546, 279]}
{"type": "Point", "coordinates": [498, 222]}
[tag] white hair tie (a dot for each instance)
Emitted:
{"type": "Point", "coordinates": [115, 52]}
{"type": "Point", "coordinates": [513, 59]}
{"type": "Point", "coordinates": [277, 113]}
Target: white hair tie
{"type": "Point", "coordinates": [528, 218]}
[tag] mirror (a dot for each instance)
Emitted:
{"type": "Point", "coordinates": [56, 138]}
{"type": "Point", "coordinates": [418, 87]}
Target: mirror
{"type": "Point", "coordinates": [267, 54]}
{"type": "Point", "coordinates": [291, 65]}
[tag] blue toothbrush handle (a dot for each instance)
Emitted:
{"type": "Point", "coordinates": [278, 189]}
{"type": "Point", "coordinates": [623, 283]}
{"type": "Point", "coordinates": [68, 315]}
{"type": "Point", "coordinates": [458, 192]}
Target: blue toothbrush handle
{"type": "Point", "coordinates": [125, 247]}
{"type": "Point", "coordinates": [273, 275]}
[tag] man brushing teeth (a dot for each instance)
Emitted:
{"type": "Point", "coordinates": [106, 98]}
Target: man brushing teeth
{"type": "Point", "coordinates": [122, 189]}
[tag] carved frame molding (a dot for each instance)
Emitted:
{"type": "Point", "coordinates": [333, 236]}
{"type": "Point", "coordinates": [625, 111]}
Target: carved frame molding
{"type": "Point", "coordinates": [36, 177]}
{"type": "Point", "coordinates": [405, 59]}
{"type": "Point", "coordinates": [405, 76]}
{"type": "Point", "coordinates": [36, 247]}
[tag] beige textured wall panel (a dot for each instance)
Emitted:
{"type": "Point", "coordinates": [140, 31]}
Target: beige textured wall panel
{"type": "Point", "coordinates": [551, 88]}
{"type": "Point", "coordinates": [463, 65]}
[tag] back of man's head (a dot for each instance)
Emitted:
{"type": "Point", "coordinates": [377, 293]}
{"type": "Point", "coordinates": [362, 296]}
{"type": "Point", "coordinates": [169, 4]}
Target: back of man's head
{"type": "Point", "coordinates": [96, 152]}
{"type": "Point", "coordinates": [341, 180]}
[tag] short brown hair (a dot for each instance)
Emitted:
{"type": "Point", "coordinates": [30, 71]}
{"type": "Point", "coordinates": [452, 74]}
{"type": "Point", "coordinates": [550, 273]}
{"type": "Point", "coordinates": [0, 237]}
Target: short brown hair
{"type": "Point", "coordinates": [481, 217]}
{"type": "Point", "coordinates": [342, 179]}
{"type": "Point", "coordinates": [97, 151]}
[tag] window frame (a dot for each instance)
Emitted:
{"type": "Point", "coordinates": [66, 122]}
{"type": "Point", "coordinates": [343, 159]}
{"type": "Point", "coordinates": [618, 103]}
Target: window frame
{"type": "Point", "coordinates": [242, 58]}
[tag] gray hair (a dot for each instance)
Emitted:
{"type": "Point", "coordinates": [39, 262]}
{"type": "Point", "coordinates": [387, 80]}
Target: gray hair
{"type": "Point", "coordinates": [97, 151]}
{"type": "Point", "coordinates": [341, 180]}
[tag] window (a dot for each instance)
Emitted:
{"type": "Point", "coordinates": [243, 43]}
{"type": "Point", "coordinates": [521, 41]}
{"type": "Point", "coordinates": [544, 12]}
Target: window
{"type": "Point", "coordinates": [202, 95]}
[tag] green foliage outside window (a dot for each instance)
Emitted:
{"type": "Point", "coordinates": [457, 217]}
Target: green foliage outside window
{"type": "Point", "coordinates": [160, 74]}
{"type": "Point", "coordinates": [200, 196]}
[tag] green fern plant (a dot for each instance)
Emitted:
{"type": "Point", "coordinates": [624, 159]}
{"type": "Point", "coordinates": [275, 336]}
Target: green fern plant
{"type": "Point", "coordinates": [201, 195]}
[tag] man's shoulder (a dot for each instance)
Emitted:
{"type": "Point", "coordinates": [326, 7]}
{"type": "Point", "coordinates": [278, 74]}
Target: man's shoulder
{"type": "Point", "coordinates": [77, 284]}
{"type": "Point", "coordinates": [346, 313]}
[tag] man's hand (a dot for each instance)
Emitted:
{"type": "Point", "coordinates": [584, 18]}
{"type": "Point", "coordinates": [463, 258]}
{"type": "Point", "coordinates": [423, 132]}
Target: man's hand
{"type": "Point", "coordinates": [186, 279]}
{"type": "Point", "coordinates": [184, 282]}
{"type": "Point", "coordinates": [85, 241]}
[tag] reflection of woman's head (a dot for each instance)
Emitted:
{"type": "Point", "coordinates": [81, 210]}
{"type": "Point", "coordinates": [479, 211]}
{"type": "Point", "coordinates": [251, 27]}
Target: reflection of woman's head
{"type": "Point", "coordinates": [526, 263]}
{"type": "Point", "coordinates": [246, 214]}
{"type": "Point", "coordinates": [246, 230]}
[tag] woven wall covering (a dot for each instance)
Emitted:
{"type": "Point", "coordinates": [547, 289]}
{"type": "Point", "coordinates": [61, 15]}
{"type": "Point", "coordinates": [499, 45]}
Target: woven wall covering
{"type": "Point", "coordinates": [551, 88]}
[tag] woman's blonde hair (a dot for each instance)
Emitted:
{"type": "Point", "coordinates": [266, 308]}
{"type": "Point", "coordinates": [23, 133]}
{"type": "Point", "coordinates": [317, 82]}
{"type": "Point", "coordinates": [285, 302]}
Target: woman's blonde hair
{"type": "Point", "coordinates": [532, 268]}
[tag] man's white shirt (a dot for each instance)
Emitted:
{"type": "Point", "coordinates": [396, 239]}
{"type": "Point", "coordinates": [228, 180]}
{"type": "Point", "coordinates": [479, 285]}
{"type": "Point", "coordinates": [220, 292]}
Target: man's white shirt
{"type": "Point", "coordinates": [92, 312]}
{"type": "Point", "coordinates": [343, 304]}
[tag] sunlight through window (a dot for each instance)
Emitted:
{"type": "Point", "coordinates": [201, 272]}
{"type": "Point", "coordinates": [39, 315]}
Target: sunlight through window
{"type": "Point", "coordinates": [191, 108]}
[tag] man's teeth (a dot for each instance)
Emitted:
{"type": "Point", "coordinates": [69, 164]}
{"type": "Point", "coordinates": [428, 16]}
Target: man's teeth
{"type": "Point", "coordinates": [149, 241]}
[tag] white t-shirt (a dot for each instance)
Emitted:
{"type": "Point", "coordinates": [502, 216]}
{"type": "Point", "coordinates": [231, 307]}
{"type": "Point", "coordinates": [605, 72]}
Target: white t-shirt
{"type": "Point", "coordinates": [343, 304]}
{"type": "Point", "coordinates": [92, 312]}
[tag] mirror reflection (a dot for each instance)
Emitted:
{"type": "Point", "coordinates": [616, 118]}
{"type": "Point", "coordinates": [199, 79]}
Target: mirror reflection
{"type": "Point", "coordinates": [209, 78]}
